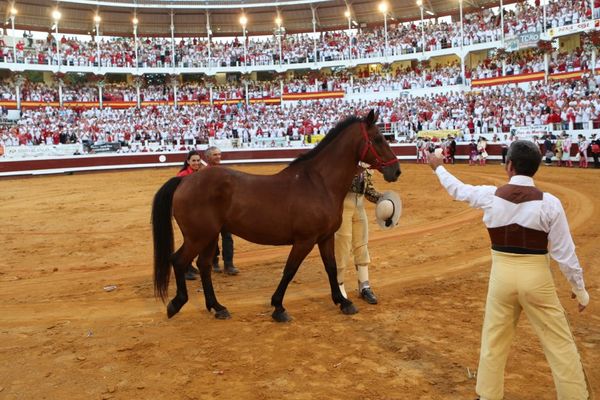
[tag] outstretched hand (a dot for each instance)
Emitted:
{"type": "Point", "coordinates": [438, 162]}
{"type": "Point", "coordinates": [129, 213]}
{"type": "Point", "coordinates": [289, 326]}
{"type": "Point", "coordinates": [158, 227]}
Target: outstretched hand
{"type": "Point", "coordinates": [434, 161]}
{"type": "Point", "coordinates": [581, 308]}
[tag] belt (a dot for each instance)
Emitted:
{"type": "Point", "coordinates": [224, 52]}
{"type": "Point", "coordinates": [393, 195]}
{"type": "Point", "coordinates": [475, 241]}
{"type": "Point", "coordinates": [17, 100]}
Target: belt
{"type": "Point", "coordinates": [518, 250]}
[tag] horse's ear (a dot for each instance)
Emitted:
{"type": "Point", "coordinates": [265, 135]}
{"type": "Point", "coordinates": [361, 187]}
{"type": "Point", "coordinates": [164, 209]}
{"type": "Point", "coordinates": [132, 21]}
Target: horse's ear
{"type": "Point", "coordinates": [371, 118]}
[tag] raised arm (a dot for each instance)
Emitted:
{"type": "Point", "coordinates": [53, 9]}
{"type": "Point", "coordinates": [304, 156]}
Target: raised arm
{"type": "Point", "coordinates": [476, 196]}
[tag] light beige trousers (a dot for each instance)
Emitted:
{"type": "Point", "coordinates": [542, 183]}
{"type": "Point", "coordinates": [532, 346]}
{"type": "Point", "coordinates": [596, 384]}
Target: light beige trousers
{"type": "Point", "coordinates": [524, 283]}
{"type": "Point", "coordinates": [352, 237]}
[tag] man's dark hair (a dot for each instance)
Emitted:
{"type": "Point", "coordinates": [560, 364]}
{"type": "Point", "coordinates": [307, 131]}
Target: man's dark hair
{"type": "Point", "coordinates": [525, 156]}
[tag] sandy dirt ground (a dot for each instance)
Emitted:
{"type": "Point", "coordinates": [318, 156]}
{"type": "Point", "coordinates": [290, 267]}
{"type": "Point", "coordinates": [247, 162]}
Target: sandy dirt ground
{"type": "Point", "coordinates": [63, 336]}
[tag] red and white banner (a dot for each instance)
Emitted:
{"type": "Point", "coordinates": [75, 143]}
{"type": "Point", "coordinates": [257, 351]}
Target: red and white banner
{"type": "Point", "coordinates": [574, 28]}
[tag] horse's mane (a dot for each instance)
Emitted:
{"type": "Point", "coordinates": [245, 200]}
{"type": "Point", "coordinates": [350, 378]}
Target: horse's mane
{"type": "Point", "coordinates": [330, 137]}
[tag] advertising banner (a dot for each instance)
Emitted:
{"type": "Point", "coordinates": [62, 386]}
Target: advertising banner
{"type": "Point", "coordinates": [103, 147]}
{"type": "Point", "coordinates": [528, 132]}
{"type": "Point", "coordinates": [573, 28]}
{"type": "Point", "coordinates": [59, 150]}
{"type": "Point", "coordinates": [441, 133]}
{"type": "Point", "coordinates": [522, 41]}
{"type": "Point", "coordinates": [269, 141]}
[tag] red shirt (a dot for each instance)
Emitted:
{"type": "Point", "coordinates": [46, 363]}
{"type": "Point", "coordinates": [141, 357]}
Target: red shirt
{"type": "Point", "coordinates": [186, 172]}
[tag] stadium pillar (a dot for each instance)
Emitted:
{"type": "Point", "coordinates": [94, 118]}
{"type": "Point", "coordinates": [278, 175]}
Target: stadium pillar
{"type": "Point", "coordinates": [13, 14]}
{"type": "Point", "coordinates": [172, 41]}
{"type": "Point", "coordinates": [100, 87]}
{"type": "Point", "coordinates": [348, 16]}
{"type": "Point", "coordinates": [502, 23]}
{"type": "Point", "coordinates": [462, 32]}
{"type": "Point", "coordinates": [314, 23]}
{"type": "Point", "coordinates": [56, 16]}
{"type": "Point", "coordinates": [420, 4]}
{"type": "Point", "coordinates": [246, 94]}
{"type": "Point", "coordinates": [97, 19]}
{"type": "Point", "coordinates": [383, 7]}
{"type": "Point", "coordinates": [593, 61]}
{"type": "Point", "coordinates": [281, 94]}
{"type": "Point", "coordinates": [544, 7]}
{"type": "Point", "coordinates": [546, 66]}
{"type": "Point", "coordinates": [208, 32]}
{"type": "Point", "coordinates": [60, 92]}
{"type": "Point", "coordinates": [18, 93]}
{"type": "Point", "coordinates": [135, 41]}
{"type": "Point", "coordinates": [385, 34]}
{"type": "Point", "coordinates": [174, 83]}
{"type": "Point", "coordinates": [278, 21]}
{"type": "Point", "coordinates": [18, 83]}
{"type": "Point", "coordinates": [137, 91]}
{"type": "Point", "coordinates": [243, 22]}
{"type": "Point", "coordinates": [462, 68]}
{"type": "Point", "coordinates": [210, 95]}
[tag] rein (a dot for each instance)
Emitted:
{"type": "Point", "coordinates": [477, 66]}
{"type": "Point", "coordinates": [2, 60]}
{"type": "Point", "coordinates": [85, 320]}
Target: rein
{"type": "Point", "coordinates": [369, 148]}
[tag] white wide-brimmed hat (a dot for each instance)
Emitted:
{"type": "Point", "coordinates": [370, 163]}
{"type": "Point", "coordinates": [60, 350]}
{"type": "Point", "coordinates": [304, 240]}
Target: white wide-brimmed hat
{"type": "Point", "coordinates": [388, 210]}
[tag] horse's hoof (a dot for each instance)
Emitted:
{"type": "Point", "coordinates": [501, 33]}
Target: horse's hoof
{"type": "Point", "coordinates": [172, 310]}
{"type": "Point", "coordinates": [349, 309]}
{"type": "Point", "coordinates": [222, 314]}
{"type": "Point", "coordinates": [281, 316]}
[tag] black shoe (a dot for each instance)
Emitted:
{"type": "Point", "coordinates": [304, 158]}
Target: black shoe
{"type": "Point", "coordinates": [367, 295]}
{"type": "Point", "coordinates": [190, 276]}
{"type": "Point", "coordinates": [193, 270]}
{"type": "Point", "coordinates": [216, 268]}
{"type": "Point", "coordinates": [230, 269]}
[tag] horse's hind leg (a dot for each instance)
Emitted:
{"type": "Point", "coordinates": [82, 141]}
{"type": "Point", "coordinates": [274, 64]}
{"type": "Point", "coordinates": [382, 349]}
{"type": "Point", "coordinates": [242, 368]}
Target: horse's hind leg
{"type": "Point", "coordinates": [204, 266]}
{"type": "Point", "coordinates": [180, 260]}
{"type": "Point", "coordinates": [297, 255]}
{"type": "Point", "coordinates": [326, 248]}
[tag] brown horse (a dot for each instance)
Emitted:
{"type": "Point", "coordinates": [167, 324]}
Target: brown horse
{"type": "Point", "coordinates": [299, 206]}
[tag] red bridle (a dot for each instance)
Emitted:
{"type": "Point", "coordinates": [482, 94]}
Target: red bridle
{"type": "Point", "coordinates": [379, 162]}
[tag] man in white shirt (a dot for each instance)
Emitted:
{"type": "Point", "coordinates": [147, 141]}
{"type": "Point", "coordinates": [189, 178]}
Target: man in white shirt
{"type": "Point", "coordinates": [526, 226]}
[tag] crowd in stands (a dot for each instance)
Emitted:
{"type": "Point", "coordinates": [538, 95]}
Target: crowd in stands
{"type": "Point", "coordinates": [478, 27]}
{"type": "Point", "coordinates": [400, 79]}
{"type": "Point", "coordinates": [567, 105]}
{"type": "Point", "coordinates": [525, 62]}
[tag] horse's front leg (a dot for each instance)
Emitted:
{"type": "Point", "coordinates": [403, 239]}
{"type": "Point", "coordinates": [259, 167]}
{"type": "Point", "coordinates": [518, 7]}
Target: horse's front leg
{"type": "Point", "coordinates": [204, 266]}
{"type": "Point", "coordinates": [299, 252]}
{"type": "Point", "coordinates": [326, 248]}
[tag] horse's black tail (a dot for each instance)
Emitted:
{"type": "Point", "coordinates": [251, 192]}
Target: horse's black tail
{"type": "Point", "coordinates": [162, 232]}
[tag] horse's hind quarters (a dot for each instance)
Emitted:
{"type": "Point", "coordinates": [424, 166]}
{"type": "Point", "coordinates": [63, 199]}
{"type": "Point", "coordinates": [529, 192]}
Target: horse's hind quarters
{"type": "Point", "coordinates": [391, 173]}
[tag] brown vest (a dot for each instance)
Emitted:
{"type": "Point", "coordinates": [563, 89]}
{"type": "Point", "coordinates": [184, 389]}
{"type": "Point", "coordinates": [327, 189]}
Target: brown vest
{"type": "Point", "coordinates": [515, 238]}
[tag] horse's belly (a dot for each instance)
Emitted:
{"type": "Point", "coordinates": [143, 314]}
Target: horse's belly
{"type": "Point", "coordinates": [263, 235]}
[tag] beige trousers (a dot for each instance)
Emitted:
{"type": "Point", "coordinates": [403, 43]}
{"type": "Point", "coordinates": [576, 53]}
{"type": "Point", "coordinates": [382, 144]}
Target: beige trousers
{"type": "Point", "coordinates": [352, 237]}
{"type": "Point", "coordinates": [524, 283]}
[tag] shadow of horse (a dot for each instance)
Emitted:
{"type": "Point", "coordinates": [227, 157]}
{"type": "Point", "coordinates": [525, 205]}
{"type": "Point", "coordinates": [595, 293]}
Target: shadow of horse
{"type": "Point", "coordinates": [299, 206]}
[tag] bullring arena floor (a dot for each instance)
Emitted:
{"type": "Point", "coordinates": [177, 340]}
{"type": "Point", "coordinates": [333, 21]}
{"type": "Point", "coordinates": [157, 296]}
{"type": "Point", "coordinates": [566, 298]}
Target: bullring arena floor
{"type": "Point", "coordinates": [64, 238]}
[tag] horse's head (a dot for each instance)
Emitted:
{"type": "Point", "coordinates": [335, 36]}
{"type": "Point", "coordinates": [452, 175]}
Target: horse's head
{"type": "Point", "coordinates": [376, 151]}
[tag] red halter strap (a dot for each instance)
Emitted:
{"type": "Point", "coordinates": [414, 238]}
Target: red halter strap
{"type": "Point", "coordinates": [380, 163]}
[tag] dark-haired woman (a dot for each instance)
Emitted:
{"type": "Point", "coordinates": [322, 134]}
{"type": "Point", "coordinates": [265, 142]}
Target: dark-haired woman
{"type": "Point", "coordinates": [191, 164]}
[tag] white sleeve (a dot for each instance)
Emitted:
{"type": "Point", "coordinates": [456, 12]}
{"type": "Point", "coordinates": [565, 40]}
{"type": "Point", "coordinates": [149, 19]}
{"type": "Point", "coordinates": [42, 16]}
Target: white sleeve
{"type": "Point", "coordinates": [560, 243]}
{"type": "Point", "coordinates": [476, 196]}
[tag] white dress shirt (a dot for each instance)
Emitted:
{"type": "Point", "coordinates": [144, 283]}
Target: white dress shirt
{"type": "Point", "coordinates": [546, 215]}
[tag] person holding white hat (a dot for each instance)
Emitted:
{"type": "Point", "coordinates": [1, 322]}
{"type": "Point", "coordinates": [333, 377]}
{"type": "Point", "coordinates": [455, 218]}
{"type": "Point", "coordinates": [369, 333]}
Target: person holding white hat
{"type": "Point", "coordinates": [526, 227]}
{"type": "Point", "coordinates": [352, 237]}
